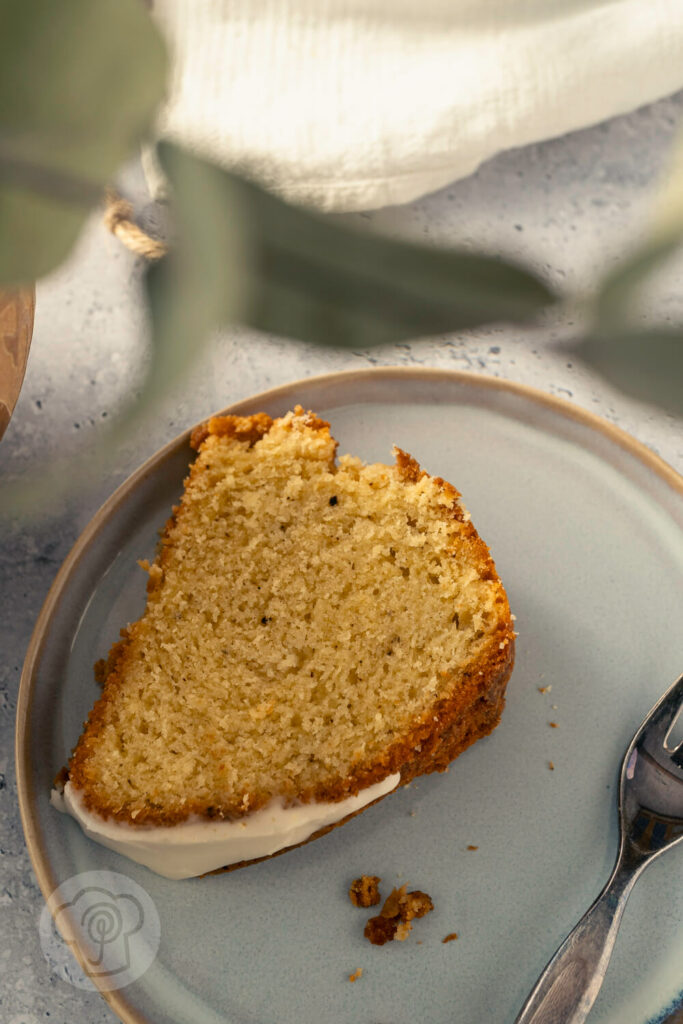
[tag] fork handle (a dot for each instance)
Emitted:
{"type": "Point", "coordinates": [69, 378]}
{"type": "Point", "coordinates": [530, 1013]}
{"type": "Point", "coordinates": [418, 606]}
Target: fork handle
{"type": "Point", "coordinates": [569, 985]}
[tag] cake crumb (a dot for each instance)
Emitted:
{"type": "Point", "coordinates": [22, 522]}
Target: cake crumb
{"type": "Point", "coordinates": [553, 725]}
{"type": "Point", "coordinates": [392, 905]}
{"type": "Point", "coordinates": [415, 904]}
{"type": "Point", "coordinates": [356, 974]}
{"type": "Point", "coordinates": [394, 919]}
{"type": "Point", "coordinates": [450, 937]}
{"type": "Point", "coordinates": [551, 765]}
{"type": "Point", "coordinates": [545, 689]}
{"type": "Point", "coordinates": [380, 929]}
{"type": "Point", "coordinates": [364, 891]}
{"type": "Point", "coordinates": [470, 847]}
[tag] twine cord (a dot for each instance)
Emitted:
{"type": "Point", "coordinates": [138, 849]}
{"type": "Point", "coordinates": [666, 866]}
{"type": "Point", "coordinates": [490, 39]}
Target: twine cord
{"type": "Point", "coordinates": [119, 219]}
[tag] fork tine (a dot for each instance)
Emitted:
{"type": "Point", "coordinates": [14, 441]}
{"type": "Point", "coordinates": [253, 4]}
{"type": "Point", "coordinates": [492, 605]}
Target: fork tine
{"type": "Point", "coordinates": [654, 730]}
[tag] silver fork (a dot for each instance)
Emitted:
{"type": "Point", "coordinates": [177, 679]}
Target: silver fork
{"type": "Point", "coordinates": [651, 821]}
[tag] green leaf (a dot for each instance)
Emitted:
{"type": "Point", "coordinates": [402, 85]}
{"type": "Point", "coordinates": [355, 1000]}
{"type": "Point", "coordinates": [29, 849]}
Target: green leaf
{"type": "Point", "coordinates": [619, 290]}
{"type": "Point", "coordinates": [253, 258]}
{"type": "Point", "coordinates": [202, 283]}
{"type": "Point", "coordinates": [36, 233]}
{"type": "Point", "coordinates": [646, 364]}
{"type": "Point", "coordinates": [79, 85]}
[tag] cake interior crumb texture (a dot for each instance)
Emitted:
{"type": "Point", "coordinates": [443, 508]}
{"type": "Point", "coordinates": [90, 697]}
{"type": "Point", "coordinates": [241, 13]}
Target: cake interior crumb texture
{"type": "Point", "coordinates": [311, 626]}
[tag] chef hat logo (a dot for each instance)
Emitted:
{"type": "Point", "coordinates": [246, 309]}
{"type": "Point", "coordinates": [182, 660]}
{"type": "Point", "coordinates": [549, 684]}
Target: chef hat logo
{"type": "Point", "coordinates": [102, 922]}
{"type": "Point", "coordinates": [100, 927]}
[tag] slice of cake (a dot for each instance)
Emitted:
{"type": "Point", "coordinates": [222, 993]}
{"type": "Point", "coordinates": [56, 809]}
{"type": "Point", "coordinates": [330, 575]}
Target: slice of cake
{"type": "Point", "coordinates": [316, 634]}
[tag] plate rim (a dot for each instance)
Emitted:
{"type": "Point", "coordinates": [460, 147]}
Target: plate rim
{"type": "Point", "coordinates": [125, 1010]}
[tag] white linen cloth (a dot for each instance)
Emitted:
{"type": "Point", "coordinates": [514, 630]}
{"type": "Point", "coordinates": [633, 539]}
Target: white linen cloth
{"type": "Point", "coordinates": [357, 104]}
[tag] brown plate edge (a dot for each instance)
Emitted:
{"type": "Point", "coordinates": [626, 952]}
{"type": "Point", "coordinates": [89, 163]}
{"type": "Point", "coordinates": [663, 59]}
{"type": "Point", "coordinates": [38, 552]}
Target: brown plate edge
{"type": "Point", "coordinates": [14, 348]}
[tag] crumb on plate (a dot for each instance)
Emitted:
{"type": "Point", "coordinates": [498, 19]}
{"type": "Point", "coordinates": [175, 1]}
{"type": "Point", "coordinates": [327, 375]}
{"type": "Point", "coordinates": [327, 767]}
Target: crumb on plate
{"type": "Point", "coordinates": [394, 919]}
{"type": "Point", "coordinates": [380, 929]}
{"type": "Point", "coordinates": [364, 891]}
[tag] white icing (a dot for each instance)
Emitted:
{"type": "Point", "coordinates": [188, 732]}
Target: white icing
{"type": "Point", "coordinates": [198, 845]}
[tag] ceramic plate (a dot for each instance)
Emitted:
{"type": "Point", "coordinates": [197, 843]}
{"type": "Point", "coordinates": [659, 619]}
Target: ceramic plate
{"type": "Point", "coordinates": [586, 527]}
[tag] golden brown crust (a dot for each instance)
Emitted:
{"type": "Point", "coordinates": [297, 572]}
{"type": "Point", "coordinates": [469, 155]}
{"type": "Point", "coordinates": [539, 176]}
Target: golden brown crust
{"type": "Point", "coordinates": [248, 428]}
{"type": "Point", "coordinates": [408, 468]}
{"type": "Point", "coordinates": [101, 670]}
{"type": "Point", "coordinates": [106, 667]}
{"type": "Point", "coordinates": [310, 419]}
{"type": "Point", "coordinates": [242, 428]}
{"type": "Point", "coordinates": [472, 710]}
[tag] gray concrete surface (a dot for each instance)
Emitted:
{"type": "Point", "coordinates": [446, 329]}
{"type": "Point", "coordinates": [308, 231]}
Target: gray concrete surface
{"type": "Point", "coordinates": [568, 206]}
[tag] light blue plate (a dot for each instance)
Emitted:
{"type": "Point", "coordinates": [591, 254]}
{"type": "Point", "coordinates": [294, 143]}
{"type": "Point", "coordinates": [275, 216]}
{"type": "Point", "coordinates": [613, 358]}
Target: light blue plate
{"type": "Point", "coordinates": [586, 527]}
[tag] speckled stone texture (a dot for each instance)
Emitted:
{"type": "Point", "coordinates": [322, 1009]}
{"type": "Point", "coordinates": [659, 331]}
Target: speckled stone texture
{"type": "Point", "coordinates": [569, 207]}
